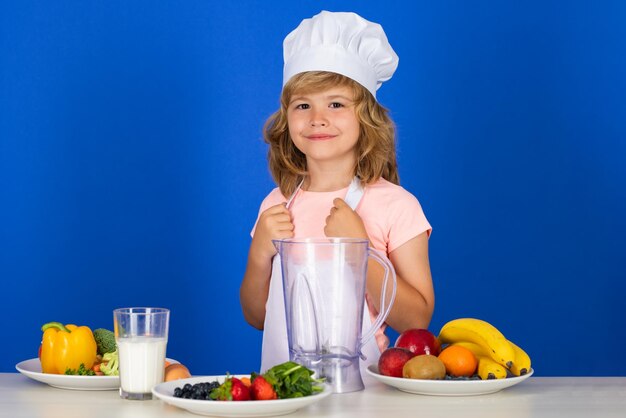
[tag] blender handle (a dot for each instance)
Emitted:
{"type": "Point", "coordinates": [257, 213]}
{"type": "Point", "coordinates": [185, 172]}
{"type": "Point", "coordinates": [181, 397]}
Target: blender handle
{"type": "Point", "coordinates": [384, 309]}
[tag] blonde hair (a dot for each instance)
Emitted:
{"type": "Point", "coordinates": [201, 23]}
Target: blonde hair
{"type": "Point", "coordinates": [376, 149]}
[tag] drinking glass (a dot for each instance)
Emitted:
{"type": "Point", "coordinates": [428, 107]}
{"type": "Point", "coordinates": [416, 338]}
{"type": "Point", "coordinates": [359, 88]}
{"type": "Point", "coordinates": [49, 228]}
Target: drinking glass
{"type": "Point", "coordinates": [141, 337]}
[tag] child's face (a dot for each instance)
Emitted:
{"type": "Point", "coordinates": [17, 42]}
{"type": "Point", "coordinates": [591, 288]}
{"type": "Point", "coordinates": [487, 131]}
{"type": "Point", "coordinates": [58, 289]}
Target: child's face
{"type": "Point", "coordinates": [323, 125]}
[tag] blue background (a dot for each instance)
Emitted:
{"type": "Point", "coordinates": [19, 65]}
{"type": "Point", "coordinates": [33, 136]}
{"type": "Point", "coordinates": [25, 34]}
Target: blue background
{"type": "Point", "coordinates": [132, 166]}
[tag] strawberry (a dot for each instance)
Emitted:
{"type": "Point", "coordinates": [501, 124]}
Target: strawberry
{"type": "Point", "coordinates": [239, 391]}
{"type": "Point", "coordinates": [262, 390]}
{"type": "Point", "coordinates": [232, 389]}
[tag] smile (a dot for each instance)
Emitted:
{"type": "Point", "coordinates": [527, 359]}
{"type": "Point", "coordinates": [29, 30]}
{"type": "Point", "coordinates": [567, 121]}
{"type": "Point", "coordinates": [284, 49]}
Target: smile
{"type": "Point", "coordinates": [320, 137]}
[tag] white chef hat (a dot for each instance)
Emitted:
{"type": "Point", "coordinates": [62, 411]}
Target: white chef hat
{"type": "Point", "coordinates": [342, 43]}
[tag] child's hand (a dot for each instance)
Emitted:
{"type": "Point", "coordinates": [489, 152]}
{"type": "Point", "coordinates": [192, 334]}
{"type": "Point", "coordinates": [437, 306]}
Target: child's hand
{"type": "Point", "coordinates": [274, 223]}
{"type": "Point", "coordinates": [344, 222]}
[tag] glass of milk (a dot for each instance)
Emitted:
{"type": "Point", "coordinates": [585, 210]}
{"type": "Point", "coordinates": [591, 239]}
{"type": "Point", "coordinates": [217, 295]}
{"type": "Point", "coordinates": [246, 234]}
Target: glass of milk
{"type": "Point", "coordinates": [141, 337]}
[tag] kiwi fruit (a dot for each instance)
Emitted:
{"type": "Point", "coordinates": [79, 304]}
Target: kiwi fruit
{"type": "Point", "coordinates": [425, 366]}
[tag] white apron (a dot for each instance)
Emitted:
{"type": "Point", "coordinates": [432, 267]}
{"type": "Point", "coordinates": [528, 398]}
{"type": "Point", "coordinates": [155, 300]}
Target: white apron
{"type": "Point", "coordinates": [275, 343]}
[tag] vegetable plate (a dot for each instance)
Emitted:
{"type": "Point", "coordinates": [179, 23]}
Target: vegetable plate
{"type": "Point", "coordinates": [32, 369]}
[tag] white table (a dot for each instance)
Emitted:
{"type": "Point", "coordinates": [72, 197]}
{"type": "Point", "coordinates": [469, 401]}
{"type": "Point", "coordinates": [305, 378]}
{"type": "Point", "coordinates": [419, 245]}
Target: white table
{"type": "Point", "coordinates": [562, 397]}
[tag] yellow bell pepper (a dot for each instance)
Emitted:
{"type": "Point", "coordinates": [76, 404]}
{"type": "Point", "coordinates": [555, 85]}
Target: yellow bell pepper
{"type": "Point", "coordinates": [66, 347]}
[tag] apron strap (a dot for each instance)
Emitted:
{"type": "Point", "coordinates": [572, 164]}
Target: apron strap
{"type": "Point", "coordinates": [293, 195]}
{"type": "Point", "coordinates": [355, 193]}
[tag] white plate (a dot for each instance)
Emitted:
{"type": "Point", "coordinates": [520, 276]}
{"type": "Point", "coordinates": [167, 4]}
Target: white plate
{"type": "Point", "coordinates": [32, 368]}
{"type": "Point", "coordinates": [447, 387]}
{"type": "Point", "coordinates": [165, 392]}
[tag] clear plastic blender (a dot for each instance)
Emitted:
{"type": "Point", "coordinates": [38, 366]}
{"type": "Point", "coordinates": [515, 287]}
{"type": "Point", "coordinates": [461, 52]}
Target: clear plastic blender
{"type": "Point", "coordinates": [324, 287]}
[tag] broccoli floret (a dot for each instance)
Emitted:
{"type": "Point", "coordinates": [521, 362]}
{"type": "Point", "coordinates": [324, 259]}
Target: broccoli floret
{"type": "Point", "coordinates": [105, 340]}
{"type": "Point", "coordinates": [81, 371]}
{"type": "Point", "coordinates": [110, 364]}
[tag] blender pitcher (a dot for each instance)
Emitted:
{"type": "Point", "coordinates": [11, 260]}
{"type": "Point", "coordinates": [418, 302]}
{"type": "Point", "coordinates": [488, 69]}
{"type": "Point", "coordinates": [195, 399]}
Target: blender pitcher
{"type": "Point", "coordinates": [324, 289]}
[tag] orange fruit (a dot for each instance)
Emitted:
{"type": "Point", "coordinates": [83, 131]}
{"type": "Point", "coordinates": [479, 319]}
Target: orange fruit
{"type": "Point", "coordinates": [459, 361]}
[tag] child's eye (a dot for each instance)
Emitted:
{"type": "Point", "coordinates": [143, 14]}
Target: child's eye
{"type": "Point", "coordinates": [336, 105]}
{"type": "Point", "coordinates": [302, 106]}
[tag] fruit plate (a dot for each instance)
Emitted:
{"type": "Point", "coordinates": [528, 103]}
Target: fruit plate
{"type": "Point", "coordinates": [32, 369]}
{"type": "Point", "coordinates": [447, 387]}
{"type": "Point", "coordinates": [165, 392]}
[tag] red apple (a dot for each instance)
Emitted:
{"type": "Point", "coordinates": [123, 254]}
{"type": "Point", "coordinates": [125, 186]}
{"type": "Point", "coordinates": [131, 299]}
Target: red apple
{"type": "Point", "coordinates": [419, 341]}
{"type": "Point", "coordinates": [392, 360]}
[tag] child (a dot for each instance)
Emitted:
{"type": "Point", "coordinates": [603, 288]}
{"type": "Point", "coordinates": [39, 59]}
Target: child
{"type": "Point", "coordinates": [332, 154]}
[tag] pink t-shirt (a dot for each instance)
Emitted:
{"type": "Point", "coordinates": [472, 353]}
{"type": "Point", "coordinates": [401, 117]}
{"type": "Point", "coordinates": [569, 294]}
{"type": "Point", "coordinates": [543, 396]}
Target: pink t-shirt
{"type": "Point", "coordinates": [391, 215]}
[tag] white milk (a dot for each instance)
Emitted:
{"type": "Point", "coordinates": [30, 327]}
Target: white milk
{"type": "Point", "coordinates": [142, 363]}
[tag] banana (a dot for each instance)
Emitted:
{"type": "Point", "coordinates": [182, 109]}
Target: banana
{"type": "Point", "coordinates": [482, 333]}
{"type": "Point", "coordinates": [478, 350]}
{"type": "Point", "coordinates": [490, 369]}
{"type": "Point", "coordinates": [521, 365]}
{"type": "Point", "coordinates": [487, 367]}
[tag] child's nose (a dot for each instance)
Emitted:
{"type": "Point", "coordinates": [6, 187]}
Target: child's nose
{"type": "Point", "coordinates": [318, 119]}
